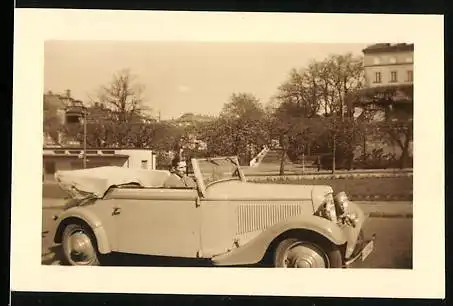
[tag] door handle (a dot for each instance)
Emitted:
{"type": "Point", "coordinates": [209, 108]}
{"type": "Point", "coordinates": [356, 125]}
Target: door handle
{"type": "Point", "coordinates": [116, 211]}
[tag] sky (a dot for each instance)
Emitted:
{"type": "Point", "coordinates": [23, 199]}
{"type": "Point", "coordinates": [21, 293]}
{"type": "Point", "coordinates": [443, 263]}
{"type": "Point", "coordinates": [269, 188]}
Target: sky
{"type": "Point", "coordinates": [181, 77]}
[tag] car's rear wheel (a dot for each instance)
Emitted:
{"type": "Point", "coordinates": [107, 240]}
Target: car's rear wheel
{"type": "Point", "coordinates": [79, 246]}
{"type": "Point", "coordinates": [301, 253]}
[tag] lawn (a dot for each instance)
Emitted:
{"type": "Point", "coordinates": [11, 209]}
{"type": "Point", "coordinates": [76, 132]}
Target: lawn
{"type": "Point", "coordinates": [390, 188]}
{"type": "Point", "coordinates": [393, 187]}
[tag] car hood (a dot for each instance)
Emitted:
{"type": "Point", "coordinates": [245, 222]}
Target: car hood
{"type": "Point", "coordinates": [238, 190]}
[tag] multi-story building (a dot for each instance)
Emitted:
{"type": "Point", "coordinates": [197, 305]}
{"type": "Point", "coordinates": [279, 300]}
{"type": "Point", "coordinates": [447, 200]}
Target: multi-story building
{"type": "Point", "coordinates": [388, 91]}
{"type": "Point", "coordinates": [389, 64]}
{"type": "Point", "coordinates": [65, 110]}
{"type": "Point", "coordinates": [61, 152]}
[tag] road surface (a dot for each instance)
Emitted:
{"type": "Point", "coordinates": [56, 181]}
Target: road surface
{"type": "Point", "coordinates": [393, 246]}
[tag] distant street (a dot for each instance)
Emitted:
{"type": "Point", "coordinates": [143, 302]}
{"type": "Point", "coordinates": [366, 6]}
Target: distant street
{"type": "Point", "coordinates": [393, 243]}
{"type": "Point", "coordinates": [393, 246]}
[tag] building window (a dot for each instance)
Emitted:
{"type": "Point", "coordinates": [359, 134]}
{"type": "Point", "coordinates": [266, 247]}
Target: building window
{"type": "Point", "coordinates": [377, 77]}
{"type": "Point", "coordinates": [73, 119]}
{"type": "Point", "coordinates": [410, 76]}
{"type": "Point", "coordinates": [49, 167]}
{"type": "Point", "coordinates": [393, 77]}
{"type": "Point", "coordinates": [144, 164]}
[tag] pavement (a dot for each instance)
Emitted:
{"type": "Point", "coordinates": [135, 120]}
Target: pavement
{"type": "Point", "coordinates": [375, 209]}
{"type": "Point", "coordinates": [387, 209]}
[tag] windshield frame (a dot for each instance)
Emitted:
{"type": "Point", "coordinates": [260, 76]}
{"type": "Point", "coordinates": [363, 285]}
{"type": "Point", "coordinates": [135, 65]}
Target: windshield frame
{"type": "Point", "coordinates": [199, 175]}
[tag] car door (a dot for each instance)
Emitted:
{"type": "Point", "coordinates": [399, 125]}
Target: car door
{"type": "Point", "coordinates": [218, 226]}
{"type": "Point", "coordinates": [162, 222]}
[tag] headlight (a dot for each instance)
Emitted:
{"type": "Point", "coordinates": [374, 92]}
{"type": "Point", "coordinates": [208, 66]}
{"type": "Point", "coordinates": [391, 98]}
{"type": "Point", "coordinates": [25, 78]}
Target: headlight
{"type": "Point", "coordinates": [342, 203]}
{"type": "Point", "coordinates": [353, 216]}
{"type": "Point", "coordinates": [329, 210]}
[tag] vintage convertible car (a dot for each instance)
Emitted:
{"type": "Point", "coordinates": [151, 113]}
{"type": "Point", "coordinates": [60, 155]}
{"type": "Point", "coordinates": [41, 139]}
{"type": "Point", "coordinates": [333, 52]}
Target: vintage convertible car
{"type": "Point", "coordinates": [226, 219]}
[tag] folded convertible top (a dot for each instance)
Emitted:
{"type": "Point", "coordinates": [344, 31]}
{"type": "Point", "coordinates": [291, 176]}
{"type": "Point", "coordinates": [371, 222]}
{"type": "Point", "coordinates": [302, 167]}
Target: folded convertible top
{"type": "Point", "coordinates": [96, 181]}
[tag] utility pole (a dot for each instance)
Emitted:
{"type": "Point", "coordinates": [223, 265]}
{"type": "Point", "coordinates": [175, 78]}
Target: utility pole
{"type": "Point", "coordinates": [334, 143]}
{"type": "Point", "coordinates": [84, 138]}
{"type": "Point", "coordinates": [335, 134]}
{"type": "Point", "coordinates": [333, 152]}
{"type": "Point", "coordinates": [364, 143]}
{"type": "Point", "coordinates": [303, 162]}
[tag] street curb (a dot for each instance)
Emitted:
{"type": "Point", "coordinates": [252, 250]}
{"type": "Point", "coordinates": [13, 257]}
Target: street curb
{"type": "Point", "coordinates": [390, 215]}
{"type": "Point", "coordinates": [382, 197]}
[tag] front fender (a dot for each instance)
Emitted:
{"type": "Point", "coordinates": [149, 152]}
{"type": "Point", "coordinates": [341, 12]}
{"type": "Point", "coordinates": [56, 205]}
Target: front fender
{"type": "Point", "coordinates": [88, 217]}
{"type": "Point", "coordinates": [254, 250]}
{"type": "Point", "coordinates": [352, 233]}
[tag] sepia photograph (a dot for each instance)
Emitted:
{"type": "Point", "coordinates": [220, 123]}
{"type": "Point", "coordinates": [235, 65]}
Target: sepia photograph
{"type": "Point", "coordinates": [212, 153]}
{"type": "Point", "coordinates": [228, 154]}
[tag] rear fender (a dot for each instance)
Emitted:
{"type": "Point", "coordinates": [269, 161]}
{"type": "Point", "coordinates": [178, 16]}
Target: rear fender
{"type": "Point", "coordinates": [253, 251]}
{"type": "Point", "coordinates": [85, 216]}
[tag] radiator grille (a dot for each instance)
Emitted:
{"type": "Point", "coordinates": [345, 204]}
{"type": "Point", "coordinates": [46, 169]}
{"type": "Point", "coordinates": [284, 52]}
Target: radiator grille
{"type": "Point", "coordinates": [259, 216]}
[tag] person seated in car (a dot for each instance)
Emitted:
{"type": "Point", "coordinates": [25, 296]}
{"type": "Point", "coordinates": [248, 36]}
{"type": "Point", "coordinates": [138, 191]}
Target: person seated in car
{"type": "Point", "coordinates": [178, 177]}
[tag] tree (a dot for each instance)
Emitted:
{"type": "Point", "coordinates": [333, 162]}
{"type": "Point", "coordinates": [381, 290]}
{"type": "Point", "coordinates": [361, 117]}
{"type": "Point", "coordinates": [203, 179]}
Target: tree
{"type": "Point", "coordinates": [396, 103]}
{"type": "Point", "coordinates": [123, 96]}
{"type": "Point", "coordinates": [309, 96]}
{"type": "Point", "coordinates": [103, 128]}
{"type": "Point", "coordinates": [243, 106]}
{"type": "Point", "coordinates": [116, 119]}
{"type": "Point", "coordinates": [52, 121]}
{"type": "Point", "coordinates": [238, 130]}
{"type": "Point", "coordinates": [300, 93]}
{"type": "Point", "coordinates": [164, 136]}
{"type": "Point", "coordinates": [344, 136]}
{"type": "Point", "coordinates": [347, 75]}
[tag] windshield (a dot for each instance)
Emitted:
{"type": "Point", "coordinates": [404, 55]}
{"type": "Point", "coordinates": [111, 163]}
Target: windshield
{"type": "Point", "coordinates": [219, 169]}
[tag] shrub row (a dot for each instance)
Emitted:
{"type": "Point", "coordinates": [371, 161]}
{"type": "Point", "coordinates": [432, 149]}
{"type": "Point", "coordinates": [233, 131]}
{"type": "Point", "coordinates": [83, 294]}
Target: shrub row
{"type": "Point", "coordinates": [278, 178]}
{"type": "Point", "coordinates": [369, 188]}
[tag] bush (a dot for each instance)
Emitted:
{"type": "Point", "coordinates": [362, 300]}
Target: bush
{"type": "Point", "coordinates": [163, 160]}
{"type": "Point", "coordinates": [343, 161]}
{"type": "Point", "coordinates": [355, 187]}
{"type": "Point", "coordinates": [377, 159]}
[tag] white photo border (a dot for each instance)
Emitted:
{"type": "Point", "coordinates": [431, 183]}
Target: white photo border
{"type": "Point", "coordinates": [35, 26]}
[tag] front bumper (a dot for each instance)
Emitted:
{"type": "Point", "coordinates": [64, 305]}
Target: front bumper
{"type": "Point", "coordinates": [361, 251]}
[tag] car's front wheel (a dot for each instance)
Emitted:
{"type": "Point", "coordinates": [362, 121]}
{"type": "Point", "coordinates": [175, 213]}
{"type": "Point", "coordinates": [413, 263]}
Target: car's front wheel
{"type": "Point", "coordinates": [79, 246]}
{"type": "Point", "coordinates": [300, 253]}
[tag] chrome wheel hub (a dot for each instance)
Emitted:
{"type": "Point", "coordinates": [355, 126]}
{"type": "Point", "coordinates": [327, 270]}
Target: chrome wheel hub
{"type": "Point", "coordinates": [80, 248]}
{"type": "Point", "coordinates": [302, 255]}
{"type": "Point", "coordinates": [80, 243]}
